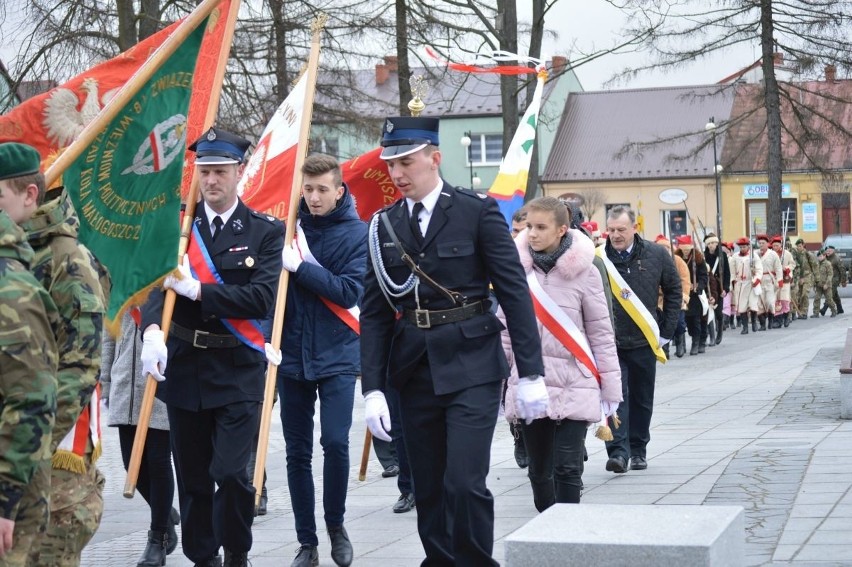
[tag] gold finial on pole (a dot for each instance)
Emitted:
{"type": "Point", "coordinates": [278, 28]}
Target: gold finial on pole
{"type": "Point", "coordinates": [319, 22]}
{"type": "Point", "coordinates": [418, 89]}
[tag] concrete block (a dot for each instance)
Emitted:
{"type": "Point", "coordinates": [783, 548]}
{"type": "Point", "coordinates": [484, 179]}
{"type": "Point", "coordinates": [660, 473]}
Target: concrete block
{"type": "Point", "coordinates": [846, 396]}
{"type": "Point", "coordinates": [634, 536]}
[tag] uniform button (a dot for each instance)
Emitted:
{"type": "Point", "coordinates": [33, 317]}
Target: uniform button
{"type": "Point", "coordinates": [425, 302]}
{"type": "Point", "coordinates": [422, 254]}
{"type": "Point", "coordinates": [455, 249]}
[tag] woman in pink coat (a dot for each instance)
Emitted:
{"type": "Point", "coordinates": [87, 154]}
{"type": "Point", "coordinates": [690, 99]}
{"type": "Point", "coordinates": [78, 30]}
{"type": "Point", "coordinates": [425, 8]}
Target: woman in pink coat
{"type": "Point", "coordinates": [561, 261]}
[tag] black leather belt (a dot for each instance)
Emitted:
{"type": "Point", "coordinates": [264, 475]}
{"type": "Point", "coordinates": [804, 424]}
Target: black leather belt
{"type": "Point", "coordinates": [203, 339]}
{"type": "Point", "coordinates": [425, 319]}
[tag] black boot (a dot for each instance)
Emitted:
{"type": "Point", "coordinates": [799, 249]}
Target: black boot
{"type": "Point", "coordinates": [235, 558]}
{"type": "Point", "coordinates": [693, 347]}
{"type": "Point", "coordinates": [666, 350]}
{"type": "Point", "coordinates": [762, 319]}
{"type": "Point", "coordinates": [341, 548]}
{"type": "Point", "coordinates": [823, 310]}
{"type": "Point", "coordinates": [680, 345]}
{"type": "Point", "coordinates": [735, 321]}
{"type": "Point", "coordinates": [174, 520]}
{"type": "Point", "coordinates": [753, 316]}
{"type": "Point", "coordinates": [788, 317]}
{"type": "Point", "coordinates": [778, 321]}
{"type": "Point", "coordinates": [702, 345]}
{"type": "Point", "coordinates": [155, 552]}
{"type": "Point", "coordinates": [741, 319]}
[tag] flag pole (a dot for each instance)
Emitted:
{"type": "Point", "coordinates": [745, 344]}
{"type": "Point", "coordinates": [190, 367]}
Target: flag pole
{"type": "Point", "coordinates": [128, 91]}
{"type": "Point", "coordinates": [147, 406]}
{"type": "Point", "coordinates": [284, 279]}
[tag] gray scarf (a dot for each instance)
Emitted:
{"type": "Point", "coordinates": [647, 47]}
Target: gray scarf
{"type": "Point", "coordinates": [546, 261]}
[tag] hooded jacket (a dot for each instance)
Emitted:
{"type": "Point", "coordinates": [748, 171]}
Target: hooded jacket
{"type": "Point", "coordinates": [575, 285]}
{"type": "Point", "coordinates": [316, 343]}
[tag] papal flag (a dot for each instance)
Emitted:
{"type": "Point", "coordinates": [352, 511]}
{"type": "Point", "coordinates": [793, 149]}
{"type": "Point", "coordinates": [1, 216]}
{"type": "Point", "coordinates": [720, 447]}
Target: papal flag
{"type": "Point", "coordinates": [125, 184]}
{"type": "Point", "coordinates": [510, 185]}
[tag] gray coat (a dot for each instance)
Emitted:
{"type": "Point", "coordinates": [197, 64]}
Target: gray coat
{"type": "Point", "coordinates": [122, 381]}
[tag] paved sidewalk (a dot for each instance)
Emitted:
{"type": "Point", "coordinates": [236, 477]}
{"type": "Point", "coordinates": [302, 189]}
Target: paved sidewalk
{"type": "Point", "coordinates": [753, 422]}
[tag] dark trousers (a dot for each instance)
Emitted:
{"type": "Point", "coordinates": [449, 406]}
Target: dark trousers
{"type": "Point", "coordinates": [450, 436]}
{"type": "Point", "coordinates": [156, 481]}
{"type": "Point", "coordinates": [638, 374]}
{"type": "Point", "coordinates": [836, 297]}
{"type": "Point", "coordinates": [298, 397]}
{"type": "Point", "coordinates": [393, 452]}
{"type": "Point", "coordinates": [555, 451]}
{"type": "Point", "coordinates": [719, 317]}
{"type": "Point", "coordinates": [211, 449]}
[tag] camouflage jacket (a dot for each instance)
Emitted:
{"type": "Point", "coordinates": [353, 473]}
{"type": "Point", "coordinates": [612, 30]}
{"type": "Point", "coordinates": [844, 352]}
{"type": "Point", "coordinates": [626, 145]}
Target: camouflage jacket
{"type": "Point", "coordinates": [70, 273]}
{"type": "Point", "coordinates": [28, 360]}
{"type": "Point", "coordinates": [824, 273]}
{"type": "Point", "coordinates": [839, 276]}
{"type": "Point", "coordinates": [806, 264]}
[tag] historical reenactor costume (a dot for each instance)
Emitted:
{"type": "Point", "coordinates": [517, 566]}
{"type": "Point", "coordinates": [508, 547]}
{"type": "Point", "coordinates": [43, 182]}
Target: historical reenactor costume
{"type": "Point", "coordinates": [720, 272]}
{"type": "Point", "coordinates": [212, 373]}
{"type": "Point", "coordinates": [823, 286]}
{"type": "Point", "coordinates": [698, 300]}
{"type": "Point", "coordinates": [427, 331]}
{"type": "Point", "coordinates": [769, 282]}
{"type": "Point", "coordinates": [747, 273]}
{"type": "Point", "coordinates": [805, 273]}
{"type": "Point", "coordinates": [28, 359]}
{"type": "Point", "coordinates": [785, 282]}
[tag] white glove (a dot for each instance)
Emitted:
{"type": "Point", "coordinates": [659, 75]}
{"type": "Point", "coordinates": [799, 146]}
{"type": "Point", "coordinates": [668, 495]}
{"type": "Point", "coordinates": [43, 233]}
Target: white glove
{"type": "Point", "coordinates": [290, 257]}
{"type": "Point", "coordinates": [377, 415]}
{"type": "Point", "coordinates": [531, 400]}
{"type": "Point", "coordinates": [272, 356]}
{"type": "Point", "coordinates": [154, 354]}
{"type": "Point", "coordinates": [609, 408]}
{"type": "Point", "coordinates": [184, 284]}
{"type": "Point", "coordinates": [664, 341]}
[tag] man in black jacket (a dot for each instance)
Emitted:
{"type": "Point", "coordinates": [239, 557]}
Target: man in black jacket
{"type": "Point", "coordinates": [717, 262]}
{"type": "Point", "coordinates": [431, 336]}
{"type": "Point", "coordinates": [640, 269]}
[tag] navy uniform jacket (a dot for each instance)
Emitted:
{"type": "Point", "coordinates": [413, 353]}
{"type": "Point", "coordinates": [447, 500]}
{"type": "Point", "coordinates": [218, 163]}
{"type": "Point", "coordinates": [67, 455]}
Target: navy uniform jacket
{"type": "Point", "coordinates": [208, 378]}
{"type": "Point", "coordinates": [467, 246]}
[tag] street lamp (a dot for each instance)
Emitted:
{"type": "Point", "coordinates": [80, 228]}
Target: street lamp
{"type": "Point", "coordinates": [717, 174]}
{"type": "Point", "coordinates": [466, 141]}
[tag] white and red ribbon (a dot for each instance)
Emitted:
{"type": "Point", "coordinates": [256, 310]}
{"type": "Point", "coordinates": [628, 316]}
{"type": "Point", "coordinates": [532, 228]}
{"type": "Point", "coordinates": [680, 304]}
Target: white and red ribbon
{"type": "Point", "coordinates": [493, 59]}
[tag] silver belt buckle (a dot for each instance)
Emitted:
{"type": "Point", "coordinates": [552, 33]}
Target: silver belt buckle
{"type": "Point", "coordinates": [421, 319]}
{"type": "Point", "coordinates": [197, 334]}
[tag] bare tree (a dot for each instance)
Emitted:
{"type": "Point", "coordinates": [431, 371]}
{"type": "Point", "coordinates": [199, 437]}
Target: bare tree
{"type": "Point", "coordinates": [593, 199]}
{"type": "Point", "coordinates": [813, 32]}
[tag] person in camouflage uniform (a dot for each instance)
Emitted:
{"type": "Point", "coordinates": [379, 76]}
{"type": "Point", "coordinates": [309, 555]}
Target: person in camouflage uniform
{"type": "Point", "coordinates": [822, 286]}
{"type": "Point", "coordinates": [71, 275]}
{"type": "Point", "coordinates": [806, 267]}
{"type": "Point", "coordinates": [28, 358]}
{"type": "Point", "coordinates": [838, 278]}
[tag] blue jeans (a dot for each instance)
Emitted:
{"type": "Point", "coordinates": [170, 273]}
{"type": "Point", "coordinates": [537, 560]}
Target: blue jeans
{"type": "Point", "coordinates": [638, 376]}
{"type": "Point", "coordinates": [337, 396]}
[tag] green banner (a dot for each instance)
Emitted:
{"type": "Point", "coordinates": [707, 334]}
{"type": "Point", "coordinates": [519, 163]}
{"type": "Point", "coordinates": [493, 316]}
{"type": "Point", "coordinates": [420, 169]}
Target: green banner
{"type": "Point", "coordinates": [126, 185]}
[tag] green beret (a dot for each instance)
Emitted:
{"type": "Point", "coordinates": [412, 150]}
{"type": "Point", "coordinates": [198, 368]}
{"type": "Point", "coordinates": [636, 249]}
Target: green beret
{"type": "Point", "coordinates": [830, 246]}
{"type": "Point", "coordinates": [800, 241]}
{"type": "Point", "coordinates": [17, 160]}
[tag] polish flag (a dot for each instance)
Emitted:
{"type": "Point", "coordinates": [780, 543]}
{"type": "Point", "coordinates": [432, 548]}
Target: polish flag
{"type": "Point", "coordinates": [268, 177]}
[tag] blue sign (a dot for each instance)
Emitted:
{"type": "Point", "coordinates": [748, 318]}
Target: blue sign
{"type": "Point", "coordinates": [809, 217]}
{"type": "Point", "coordinates": [761, 190]}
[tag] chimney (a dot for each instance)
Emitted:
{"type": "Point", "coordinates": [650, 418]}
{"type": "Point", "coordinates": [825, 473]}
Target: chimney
{"type": "Point", "coordinates": [392, 63]}
{"type": "Point", "coordinates": [830, 73]}
{"type": "Point", "coordinates": [558, 63]}
{"type": "Point", "coordinates": [382, 73]}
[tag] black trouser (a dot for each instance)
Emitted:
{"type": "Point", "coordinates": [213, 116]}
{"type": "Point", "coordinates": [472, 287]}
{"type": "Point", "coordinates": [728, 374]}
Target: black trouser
{"type": "Point", "coordinates": [394, 452]}
{"type": "Point", "coordinates": [156, 481]}
{"type": "Point", "coordinates": [555, 451]}
{"type": "Point", "coordinates": [211, 451]}
{"type": "Point", "coordinates": [836, 296]}
{"type": "Point", "coordinates": [450, 436]}
{"type": "Point", "coordinates": [638, 375]}
{"type": "Point", "coordinates": [720, 318]}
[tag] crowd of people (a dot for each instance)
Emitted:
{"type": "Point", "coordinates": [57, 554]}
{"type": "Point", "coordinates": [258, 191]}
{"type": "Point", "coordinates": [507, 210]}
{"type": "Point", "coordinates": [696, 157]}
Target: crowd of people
{"type": "Point", "coordinates": [553, 324]}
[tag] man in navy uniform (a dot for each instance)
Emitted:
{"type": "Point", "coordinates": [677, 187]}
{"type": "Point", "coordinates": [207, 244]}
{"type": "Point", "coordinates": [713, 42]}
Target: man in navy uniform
{"type": "Point", "coordinates": [214, 358]}
{"type": "Point", "coordinates": [443, 353]}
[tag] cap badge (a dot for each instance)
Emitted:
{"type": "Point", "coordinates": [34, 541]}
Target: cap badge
{"type": "Point", "coordinates": [249, 261]}
{"type": "Point", "coordinates": [211, 135]}
{"type": "Point", "coordinates": [388, 126]}
{"type": "Point", "coordinates": [625, 293]}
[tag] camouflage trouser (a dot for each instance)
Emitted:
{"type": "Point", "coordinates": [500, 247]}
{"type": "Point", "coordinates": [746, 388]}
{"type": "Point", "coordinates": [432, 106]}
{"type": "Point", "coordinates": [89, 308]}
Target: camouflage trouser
{"type": "Point", "coordinates": [803, 287]}
{"type": "Point", "coordinates": [30, 518]}
{"type": "Point", "coordinates": [76, 506]}
{"type": "Point", "coordinates": [820, 293]}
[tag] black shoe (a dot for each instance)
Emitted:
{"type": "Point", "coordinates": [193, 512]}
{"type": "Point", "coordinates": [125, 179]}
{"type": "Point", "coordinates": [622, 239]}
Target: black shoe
{"type": "Point", "coordinates": [404, 504]}
{"type": "Point", "coordinates": [155, 552]}
{"type": "Point", "coordinates": [390, 470]}
{"type": "Point", "coordinates": [236, 559]}
{"type": "Point", "coordinates": [762, 320]}
{"type": "Point", "coordinates": [616, 465]}
{"type": "Point", "coordinates": [744, 321]}
{"type": "Point", "coordinates": [823, 310]}
{"type": "Point", "coordinates": [263, 503]}
{"type": "Point", "coordinates": [212, 562]}
{"type": "Point", "coordinates": [680, 345]}
{"type": "Point", "coordinates": [171, 545]}
{"type": "Point", "coordinates": [718, 339]}
{"type": "Point", "coordinates": [521, 453]}
{"type": "Point", "coordinates": [839, 310]}
{"type": "Point", "coordinates": [693, 348]}
{"type": "Point", "coordinates": [341, 547]}
{"type": "Point", "coordinates": [666, 351]}
{"type": "Point", "coordinates": [638, 463]}
{"type": "Point", "coordinates": [307, 556]}
{"type": "Point", "coordinates": [702, 347]}
{"type": "Point", "coordinates": [777, 322]}
{"type": "Point", "coordinates": [788, 318]}
{"type": "Point", "coordinates": [753, 323]}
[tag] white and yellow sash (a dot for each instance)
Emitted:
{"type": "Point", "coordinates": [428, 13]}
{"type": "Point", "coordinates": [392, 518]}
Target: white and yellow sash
{"type": "Point", "coordinates": [351, 317]}
{"type": "Point", "coordinates": [562, 327]}
{"type": "Point", "coordinates": [633, 306]}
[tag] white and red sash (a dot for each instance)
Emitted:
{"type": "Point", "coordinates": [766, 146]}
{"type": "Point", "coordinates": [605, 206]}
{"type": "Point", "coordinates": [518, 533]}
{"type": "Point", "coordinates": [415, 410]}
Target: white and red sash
{"type": "Point", "coordinates": [248, 331]}
{"type": "Point", "coordinates": [351, 316]}
{"type": "Point", "coordinates": [561, 326]}
{"type": "Point", "coordinates": [71, 452]}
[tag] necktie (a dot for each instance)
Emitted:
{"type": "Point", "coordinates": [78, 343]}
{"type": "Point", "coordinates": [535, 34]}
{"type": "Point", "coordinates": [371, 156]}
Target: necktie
{"type": "Point", "coordinates": [624, 254]}
{"type": "Point", "coordinates": [415, 223]}
{"type": "Point", "coordinates": [217, 227]}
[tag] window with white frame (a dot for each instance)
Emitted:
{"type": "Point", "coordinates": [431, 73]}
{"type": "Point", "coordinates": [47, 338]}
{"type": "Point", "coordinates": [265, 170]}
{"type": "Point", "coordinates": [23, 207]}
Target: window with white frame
{"type": "Point", "coordinates": [486, 149]}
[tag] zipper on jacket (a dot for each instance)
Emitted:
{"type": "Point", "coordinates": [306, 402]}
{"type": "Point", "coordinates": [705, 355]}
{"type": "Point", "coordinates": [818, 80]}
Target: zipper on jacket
{"type": "Point", "coordinates": [132, 376]}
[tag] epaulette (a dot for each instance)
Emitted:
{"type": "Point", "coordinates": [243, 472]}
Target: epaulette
{"type": "Point", "coordinates": [263, 216]}
{"type": "Point", "coordinates": [471, 193]}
